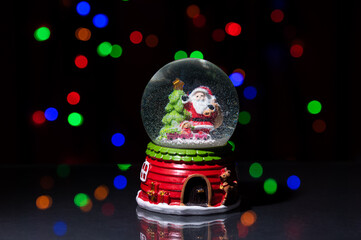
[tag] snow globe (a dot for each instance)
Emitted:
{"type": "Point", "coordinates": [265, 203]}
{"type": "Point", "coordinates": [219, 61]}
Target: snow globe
{"type": "Point", "coordinates": [189, 110]}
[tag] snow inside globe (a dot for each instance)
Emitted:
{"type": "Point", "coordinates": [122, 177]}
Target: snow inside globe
{"type": "Point", "coordinates": [190, 103]}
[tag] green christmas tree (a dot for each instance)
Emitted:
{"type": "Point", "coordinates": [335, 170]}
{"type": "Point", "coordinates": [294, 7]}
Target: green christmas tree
{"type": "Point", "coordinates": [175, 111]}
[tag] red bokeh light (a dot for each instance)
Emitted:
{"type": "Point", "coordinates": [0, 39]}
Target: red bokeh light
{"type": "Point", "coordinates": [151, 40]}
{"type": "Point", "coordinates": [81, 61]}
{"type": "Point", "coordinates": [199, 21]}
{"type": "Point", "coordinates": [193, 11]}
{"type": "Point", "coordinates": [73, 98]}
{"type": "Point", "coordinates": [319, 126]}
{"type": "Point", "coordinates": [277, 15]}
{"type": "Point", "coordinates": [296, 50]}
{"type": "Point", "coordinates": [38, 117]}
{"type": "Point", "coordinates": [136, 37]}
{"type": "Point", "coordinates": [233, 29]}
{"type": "Point", "coordinates": [218, 35]}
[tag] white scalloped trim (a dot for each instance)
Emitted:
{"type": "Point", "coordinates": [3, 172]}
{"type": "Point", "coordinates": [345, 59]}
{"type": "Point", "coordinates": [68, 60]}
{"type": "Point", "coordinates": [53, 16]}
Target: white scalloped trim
{"type": "Point", "coordinates": [183, 210]}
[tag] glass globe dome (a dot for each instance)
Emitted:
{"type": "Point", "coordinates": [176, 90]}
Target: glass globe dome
{"type": "Point", "coordinates": [190, 103]}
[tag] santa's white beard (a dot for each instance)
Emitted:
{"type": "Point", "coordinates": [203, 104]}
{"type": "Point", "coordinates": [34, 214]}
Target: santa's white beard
{"type": "Point", "coordinates": [200, 105]}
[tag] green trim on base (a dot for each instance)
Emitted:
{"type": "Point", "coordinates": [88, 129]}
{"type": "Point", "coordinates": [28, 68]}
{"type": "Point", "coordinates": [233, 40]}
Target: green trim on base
{"type": "Point", "coordinates": [187, 155]}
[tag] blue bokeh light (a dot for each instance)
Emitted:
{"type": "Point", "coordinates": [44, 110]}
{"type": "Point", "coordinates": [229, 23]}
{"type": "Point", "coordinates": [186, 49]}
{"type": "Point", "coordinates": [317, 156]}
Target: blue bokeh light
{"type": "Point", "coordinates": [51, 114]}
{"type": "Point", "coordinates": [250, 92]}
{"type": "Point", "coordinates": [60, 228]}
{"type": "Point", "coordinates": [83, 8]}
{"type": "Point", "coordinates": [236, 78]}
{"type": "Point", "coordinates": [100, 20]}
{"type": "Point", "coordinates": [120, 182]}
{"type": "Point", "coordinates": [293, 182]}
{"type": "Point", "coordinates": [118, 139]}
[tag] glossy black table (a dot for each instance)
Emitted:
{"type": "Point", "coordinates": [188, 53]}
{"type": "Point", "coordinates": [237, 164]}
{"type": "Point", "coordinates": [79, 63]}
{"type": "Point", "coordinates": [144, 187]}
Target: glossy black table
{"type": "Point", "coordinates": [326, 206]}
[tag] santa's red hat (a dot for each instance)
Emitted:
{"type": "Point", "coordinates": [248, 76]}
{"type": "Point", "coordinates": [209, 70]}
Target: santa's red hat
{"type": "Point", "coordinates": [204, 90]}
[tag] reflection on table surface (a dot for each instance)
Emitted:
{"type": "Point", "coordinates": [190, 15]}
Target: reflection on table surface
{"type": "Point", "coordinates": [217, 226]}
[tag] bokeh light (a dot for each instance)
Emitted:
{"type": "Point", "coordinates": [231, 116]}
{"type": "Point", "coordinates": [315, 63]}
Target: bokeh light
{"type": "Point", "coordinates": [108, 209]}
{"type": "Point", "coordinates": [104, 49]}
{"type": "Point", "coordinates": [75, 119]}
{"type": "Point", "coordinates": [293, 182]}
{"type": "Point", "coordinates": [244, 117]}
{"type": "Point", "coordinates": [296, 50]}
{"type": "Point", "coordinates": [256, 170]}
{"type": "Point", "coordinates": [117, 51]}
{"type": "Point", "coordinates": [270, 186]}
{"type": "Point", "coordinates": [60, 228]}
{"type": "Point", "coordinates": [120, 182]}
{"type": "Point", "coordinates": [73, 98]}
{"type": "Point", "coordinates": [250, 92]}
{"type": "Point", "coordinates": [277, 15]}
{"type": "Point", "coordinates": [47, 182]}
{"type": "Point", "coordinates": [83, 8]}
{"type": "Point", "coordinates": [199, 21]}
{"type": "Point", "coordinates": [236, 78]}
{"type": "Point", "coordinates": [180, 54]}
{"type": "Point", "coordinates": [101, 192]}
{"type": "Point", "coordinates": [241, 71]}
{"type": "Point", "coordinates": [218, 35]}
{"type": "Point", "coordinates": [81, 199]}
{"type": "Point", "coordinates": [118, 139]}
{"type": "Point", "coordinates": [248, 218]}
{"type": "Point", "coordinates": [100, 20]}
{"type": "Point", "coordinates": [319, 126]}
{"type": "Point", "coordinates": [196, 54]}
{"type": "Point", "coordinates": [136, 37]}
{"type": "Point", "coordinates": [51, 114]}
{"type": "Point", "coordinates": [151, 40]}
{"type": "Point", "coordinates": [233, 145]}
{"type": "Point", "coordinates": [314, 107]}
{"type": "Point", "coordinates": [233, 29]}
{"type": "Point", "coordinates": [124, 166]}
{"type": "Point", "coordinates": [88, 207]}
{"type": "Point", "coordinates": [81, 61]}
{"type": "Point", "coordinates": [42, 34]}
{"type": "Point", "coordinates": [193, 11]}
{"type": "Point", "coordinates": [44, 202]}
{"type": "Point", "coordinates": [38, 117]}
{"type": "Point", "coordinates": [63, 170]}
{"type": "Point", "coordinates": [82, 34]}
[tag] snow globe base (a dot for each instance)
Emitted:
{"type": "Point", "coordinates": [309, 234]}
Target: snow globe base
{"type": "Point", "coordinates": [188, 181]}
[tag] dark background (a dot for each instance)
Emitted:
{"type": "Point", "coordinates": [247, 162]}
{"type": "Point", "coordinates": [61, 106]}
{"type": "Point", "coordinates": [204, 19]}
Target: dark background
{"type": "Point", "coordinates": [37, 75]}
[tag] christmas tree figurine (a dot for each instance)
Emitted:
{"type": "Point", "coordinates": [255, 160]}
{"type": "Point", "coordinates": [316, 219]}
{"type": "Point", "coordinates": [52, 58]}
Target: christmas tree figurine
{"type": "Point", "coordinates": [175, 113]}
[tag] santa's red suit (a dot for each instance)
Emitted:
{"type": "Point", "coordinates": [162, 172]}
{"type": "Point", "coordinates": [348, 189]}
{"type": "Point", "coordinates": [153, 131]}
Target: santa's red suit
{"type": "Point", "coordinates": [199, 121]}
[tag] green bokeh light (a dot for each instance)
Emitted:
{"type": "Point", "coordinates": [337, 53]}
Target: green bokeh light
{"type": "Point", "coordinates": [104, 49]}
{"type": "Point", "coordinates": [314, 107]}
{"type": "Point", "coordinates": [124, 166]}
{"type": "Point", "coordinates": [42, 34]}
{"type": "Point", "coordinates": [75, 119]}
{"type": "Point", "coordinates": [270, 186]}
{"type": "Point", "coordinates": [196, 54]}
{"type": "Point", "coordinates": [233, 145]}
{"type": "Point", "coordinates": [116, 51]}
{"type": "Point", "coordinates": [244, 117]}
{"type": "Point", "coordinates": [63, 170]}
{"type": "Point", "coordinates": [256, 170]}
{"type": "Point", "coordinates": [180, 54]}
{"type": "Point", "coordinates": [81, 199]}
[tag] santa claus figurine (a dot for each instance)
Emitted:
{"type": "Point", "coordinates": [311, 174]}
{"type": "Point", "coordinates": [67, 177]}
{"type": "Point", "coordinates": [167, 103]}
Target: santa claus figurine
{"type": "Point", "coordinates": [205, 111]}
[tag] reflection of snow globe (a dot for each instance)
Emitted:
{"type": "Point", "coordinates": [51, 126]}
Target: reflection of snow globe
{"type": "Point", "coordinates": [190, 103]}
{"type": "Point", "coordinates": [189, 110]}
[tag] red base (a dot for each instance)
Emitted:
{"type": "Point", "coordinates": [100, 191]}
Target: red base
{"type": "Point", "coordinates": [167, 181]}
